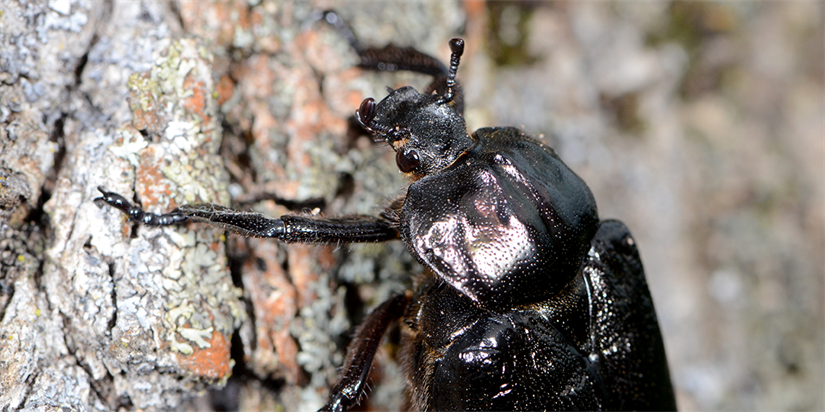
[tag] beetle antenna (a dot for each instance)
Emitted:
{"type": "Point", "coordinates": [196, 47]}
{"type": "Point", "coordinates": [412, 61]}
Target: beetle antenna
{"type": "Point", "coordinates": [457, 48]}
{"type": "Point", "coordinates": [366, 116]}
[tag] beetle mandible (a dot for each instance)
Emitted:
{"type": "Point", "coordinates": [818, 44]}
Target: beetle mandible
{"type": "Point", "coordinates": [528, 302]}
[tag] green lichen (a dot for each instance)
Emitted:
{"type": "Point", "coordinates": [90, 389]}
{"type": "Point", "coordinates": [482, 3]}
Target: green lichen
{"type": "Point", "coordinates": [145, 89]}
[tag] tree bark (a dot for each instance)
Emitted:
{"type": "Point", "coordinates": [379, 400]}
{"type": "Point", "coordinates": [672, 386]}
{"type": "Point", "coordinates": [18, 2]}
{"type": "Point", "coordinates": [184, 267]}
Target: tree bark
{"type": "Point", "coordinates": [697, 124]}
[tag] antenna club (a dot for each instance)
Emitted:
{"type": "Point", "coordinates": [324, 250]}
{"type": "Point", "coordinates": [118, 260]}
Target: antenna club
{"type": "Point", "coordinates": [457, 46]}
{"type": "Point", "coordinates": [366, 112]}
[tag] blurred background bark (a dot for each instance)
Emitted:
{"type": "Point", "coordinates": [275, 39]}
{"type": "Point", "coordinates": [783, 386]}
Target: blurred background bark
{"type": "Point", "coordinates": [699, 124]}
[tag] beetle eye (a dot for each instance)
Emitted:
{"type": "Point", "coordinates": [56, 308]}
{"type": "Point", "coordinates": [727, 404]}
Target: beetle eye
{"type": "Point", "coordinates": [407, 161]}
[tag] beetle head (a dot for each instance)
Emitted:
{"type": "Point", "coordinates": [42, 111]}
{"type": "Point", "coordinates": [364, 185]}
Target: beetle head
{"type": "Point", "coordinates": [426, 131]}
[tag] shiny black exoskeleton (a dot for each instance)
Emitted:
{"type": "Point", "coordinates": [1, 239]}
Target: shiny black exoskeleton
{"type": "Point", "coordinates": [530, 302]}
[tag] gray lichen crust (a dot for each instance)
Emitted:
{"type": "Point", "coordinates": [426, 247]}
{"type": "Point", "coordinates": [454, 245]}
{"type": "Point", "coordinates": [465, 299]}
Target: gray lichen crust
{"type": "Point", "coordinates": [149, 318]}
{"type": "Point", "coordinates": [175, 307]}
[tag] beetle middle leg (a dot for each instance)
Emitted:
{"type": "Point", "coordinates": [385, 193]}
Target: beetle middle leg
{"type": "Point", "coordinates": [349, 389]}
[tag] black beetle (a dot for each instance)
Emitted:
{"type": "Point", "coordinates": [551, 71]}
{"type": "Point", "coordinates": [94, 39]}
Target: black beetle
{"type": "Point", "coordinates": [529, 302]}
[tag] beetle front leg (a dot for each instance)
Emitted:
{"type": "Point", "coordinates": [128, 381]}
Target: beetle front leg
{"type": "Point", "coordinates": [349, 389]}
{"type": "Point", "coordinates": [288, 228]}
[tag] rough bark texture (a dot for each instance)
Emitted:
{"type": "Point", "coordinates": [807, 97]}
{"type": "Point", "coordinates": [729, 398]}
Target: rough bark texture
{"type": "Point", "coordinates": [700, 125]}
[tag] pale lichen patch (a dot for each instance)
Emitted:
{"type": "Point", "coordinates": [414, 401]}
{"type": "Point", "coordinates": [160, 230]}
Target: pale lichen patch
{"type": "Point", "coordinates": [198, 336]}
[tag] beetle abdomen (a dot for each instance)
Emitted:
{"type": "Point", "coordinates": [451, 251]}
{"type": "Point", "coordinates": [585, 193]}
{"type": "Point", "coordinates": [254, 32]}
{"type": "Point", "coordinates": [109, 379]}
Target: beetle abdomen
{"type": "Point", "coordinates": [519, 359]}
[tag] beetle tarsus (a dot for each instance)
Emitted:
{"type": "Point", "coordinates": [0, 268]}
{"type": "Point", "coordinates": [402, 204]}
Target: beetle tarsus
{"type": "Point", "coordinates": [136, 214]}
{"type": "Point", "coordinates": [333, 19]}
